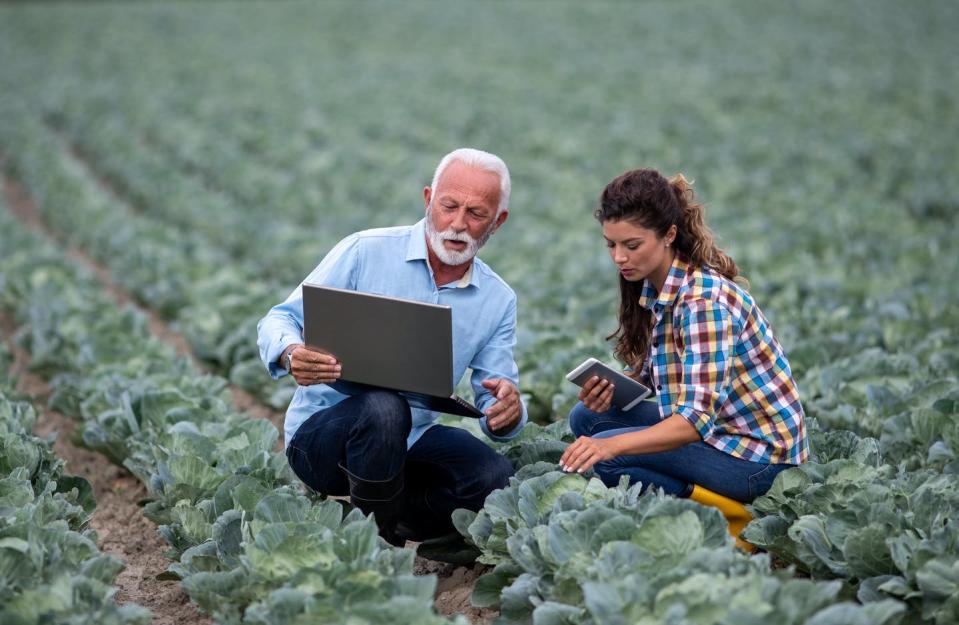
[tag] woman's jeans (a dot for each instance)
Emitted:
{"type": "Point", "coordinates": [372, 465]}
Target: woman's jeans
{"type": "Point", "coordinates": [447, 468]}
{"type": "Point", "coordinates": [677, 470]}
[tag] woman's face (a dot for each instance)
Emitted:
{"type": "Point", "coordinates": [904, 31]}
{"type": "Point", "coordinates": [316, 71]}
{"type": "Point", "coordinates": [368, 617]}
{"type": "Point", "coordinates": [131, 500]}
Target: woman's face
{"type": "Point", "coordinates": [638, 252]}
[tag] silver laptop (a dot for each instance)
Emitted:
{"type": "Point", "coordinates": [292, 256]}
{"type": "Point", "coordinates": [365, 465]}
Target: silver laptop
{"type": "Point", "coordinates": [386, 342]}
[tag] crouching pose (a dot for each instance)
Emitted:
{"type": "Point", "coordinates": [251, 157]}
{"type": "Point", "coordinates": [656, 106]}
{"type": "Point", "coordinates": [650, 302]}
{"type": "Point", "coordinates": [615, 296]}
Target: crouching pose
{"type": "Point", "coordinates": [391, 459]}
{"type": "Point", "coordinates": [727, 416]}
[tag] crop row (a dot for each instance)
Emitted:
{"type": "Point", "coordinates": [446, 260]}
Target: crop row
{"type": "Point", "coordinates": [881, 514]}
{"type": "Point", "coordinates": [214, 302]}
{"type": "Point", "coordinates": [250, 546]}
{"type": "Point", "coordinates": [51, 570]}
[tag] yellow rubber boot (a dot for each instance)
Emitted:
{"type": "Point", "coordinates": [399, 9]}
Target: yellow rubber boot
{"type": "Point", "coordinates": [736, 513]}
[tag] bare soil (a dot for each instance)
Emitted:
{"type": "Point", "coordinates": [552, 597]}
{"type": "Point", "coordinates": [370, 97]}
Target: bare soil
{"type": "Point", "coordinates": [454, 588]}
{"type": "Point", "coordinates": [123, 530]}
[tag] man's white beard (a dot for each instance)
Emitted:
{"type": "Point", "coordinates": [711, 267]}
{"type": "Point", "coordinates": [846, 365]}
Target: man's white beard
{"type": "Point", "coordinates": [452, 257]}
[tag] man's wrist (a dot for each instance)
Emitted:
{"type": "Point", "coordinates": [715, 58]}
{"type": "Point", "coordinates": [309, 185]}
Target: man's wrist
{"type": "Point", "coordinates": [285, 359]}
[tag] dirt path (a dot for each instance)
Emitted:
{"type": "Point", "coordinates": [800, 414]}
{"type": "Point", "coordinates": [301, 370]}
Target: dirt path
{"type": "Point", "coordinates": [121, 528]}
{"type": "Point", "coordinates": [454, 588]}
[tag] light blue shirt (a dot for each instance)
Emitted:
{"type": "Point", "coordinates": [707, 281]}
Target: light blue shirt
{"type": "Point", "coordinates": [393, 261]}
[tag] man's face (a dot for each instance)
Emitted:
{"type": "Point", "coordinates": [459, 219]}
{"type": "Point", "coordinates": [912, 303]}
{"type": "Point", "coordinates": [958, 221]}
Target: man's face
{"type": "Point", "coordinates": [461, 212]}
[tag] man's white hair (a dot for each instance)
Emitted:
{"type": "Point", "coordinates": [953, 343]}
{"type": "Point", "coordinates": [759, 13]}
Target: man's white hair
{"type": "Point", "coordinates": [480, 160]}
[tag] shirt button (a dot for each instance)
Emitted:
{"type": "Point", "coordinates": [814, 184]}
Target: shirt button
{"type": "Point", "coordinates": [659, 387]}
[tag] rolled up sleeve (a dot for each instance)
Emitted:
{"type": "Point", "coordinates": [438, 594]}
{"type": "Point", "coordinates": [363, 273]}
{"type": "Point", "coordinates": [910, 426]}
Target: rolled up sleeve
{"type": "Point", "coordinates": [706, 335]}
{"type": "Point", "coordinates": [283, 324]}
{"type": "Point", "coordinates": [496, 361]}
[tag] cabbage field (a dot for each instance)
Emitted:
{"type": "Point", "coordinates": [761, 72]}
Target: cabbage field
{"type": "Point", "coordinates": [203, 156]}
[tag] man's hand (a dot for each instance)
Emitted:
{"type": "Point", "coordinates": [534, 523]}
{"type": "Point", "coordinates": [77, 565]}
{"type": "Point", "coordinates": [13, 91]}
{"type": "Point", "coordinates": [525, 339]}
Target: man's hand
{"type": "Point", "coordinates": [310, 366]}
{"type": "Point", "coordinates": [597, 394]}
{"type": "Point", "coordinates": [504, 414]}
{"type": "Point", "coordinates": [587, 451]}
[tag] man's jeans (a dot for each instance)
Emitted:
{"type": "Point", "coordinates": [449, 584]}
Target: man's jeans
{"type": "Point", "coordinates": [677, 470]}
{"type": "Point", "coordinates": [447, 468]}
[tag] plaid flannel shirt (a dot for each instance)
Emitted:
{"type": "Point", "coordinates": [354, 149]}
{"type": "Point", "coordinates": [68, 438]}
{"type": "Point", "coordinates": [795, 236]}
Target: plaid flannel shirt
{"type": "Point", "coordinates": [714, 360]}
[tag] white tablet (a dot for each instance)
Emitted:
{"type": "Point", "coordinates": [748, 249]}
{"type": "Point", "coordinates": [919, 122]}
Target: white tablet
{"type": "Point", "coordinates": [627, 392]}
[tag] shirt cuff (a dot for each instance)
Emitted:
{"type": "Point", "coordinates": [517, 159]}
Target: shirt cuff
{"type": "Point", "coordinates": [273, 352]}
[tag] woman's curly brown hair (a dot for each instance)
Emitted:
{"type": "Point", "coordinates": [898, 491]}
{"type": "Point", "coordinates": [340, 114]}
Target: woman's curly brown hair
{"type": "Point", "coordinates": [647, 199]}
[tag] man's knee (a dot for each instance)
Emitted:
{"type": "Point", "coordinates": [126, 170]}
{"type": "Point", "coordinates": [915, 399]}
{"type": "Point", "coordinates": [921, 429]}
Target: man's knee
{"type": "Point", "coordinates": [385, 412]}
{"type": "Point", "coordinates": [581, 420]}
{"type": "Point", "coordinates": [500, 471]}
{"type": "Point", "coordinates": [492, 474]}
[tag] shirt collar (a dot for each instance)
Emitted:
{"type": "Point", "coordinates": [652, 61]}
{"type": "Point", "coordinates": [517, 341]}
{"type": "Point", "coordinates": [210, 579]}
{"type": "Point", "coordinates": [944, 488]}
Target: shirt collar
{"type": "Point", "coordinates": [648, 298]}
{"type": "Point", "coordinates": [416, 250]}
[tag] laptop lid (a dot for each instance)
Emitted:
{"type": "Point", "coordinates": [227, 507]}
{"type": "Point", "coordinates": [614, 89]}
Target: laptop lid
{"type": "Point", "coordinates": [394, 343]}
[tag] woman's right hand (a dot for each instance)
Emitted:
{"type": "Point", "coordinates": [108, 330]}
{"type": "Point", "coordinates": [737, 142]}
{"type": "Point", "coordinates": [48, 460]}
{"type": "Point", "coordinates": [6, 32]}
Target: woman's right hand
{"type": "Point", "coordinates": [313, 367]}
{"type": "Point", "coordinates": [597, 394]}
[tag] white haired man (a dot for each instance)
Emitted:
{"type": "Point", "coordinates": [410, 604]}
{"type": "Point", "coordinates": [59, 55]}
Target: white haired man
{"type": "Point", "coordinates": [393, 460]}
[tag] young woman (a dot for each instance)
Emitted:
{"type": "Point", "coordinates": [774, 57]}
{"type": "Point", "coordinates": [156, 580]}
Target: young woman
{"type": "Point", "coordinates": [727, 416]}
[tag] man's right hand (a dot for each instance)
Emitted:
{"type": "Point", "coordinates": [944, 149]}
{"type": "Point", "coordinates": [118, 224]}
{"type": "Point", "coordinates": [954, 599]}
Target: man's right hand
{"type": "Point", "coordinates": [311, 366]}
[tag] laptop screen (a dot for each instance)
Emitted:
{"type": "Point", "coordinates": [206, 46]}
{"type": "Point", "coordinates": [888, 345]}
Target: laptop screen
{"type": "Point", "coordinates": [395, 343]}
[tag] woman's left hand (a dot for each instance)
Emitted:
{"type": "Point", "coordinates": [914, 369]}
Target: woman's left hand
{"type": "Point", "coordinates": [587, 451]}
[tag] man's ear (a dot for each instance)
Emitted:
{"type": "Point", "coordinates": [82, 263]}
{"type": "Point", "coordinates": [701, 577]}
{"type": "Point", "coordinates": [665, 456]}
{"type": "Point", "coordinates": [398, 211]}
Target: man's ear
{"type": "Point", "coordinates": [427, 194]}
{"type": "Point", "coordinates": [501, 219]}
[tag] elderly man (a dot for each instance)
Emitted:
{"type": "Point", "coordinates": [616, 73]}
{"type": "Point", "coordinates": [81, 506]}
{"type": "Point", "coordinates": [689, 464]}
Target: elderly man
{"type": "Point", "coordinates": [394, 460]}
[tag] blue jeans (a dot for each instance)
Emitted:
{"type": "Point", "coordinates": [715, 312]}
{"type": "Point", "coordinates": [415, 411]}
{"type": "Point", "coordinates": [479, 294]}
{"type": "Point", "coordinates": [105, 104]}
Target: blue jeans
{"type": "Point", "coordinates": [447, 468]}
{"type": "Point", "coordinates": [677, 470]}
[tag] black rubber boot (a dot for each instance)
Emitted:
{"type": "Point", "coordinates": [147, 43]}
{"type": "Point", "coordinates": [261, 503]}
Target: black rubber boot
{"type": "Point", "coordinates": [384, 499]}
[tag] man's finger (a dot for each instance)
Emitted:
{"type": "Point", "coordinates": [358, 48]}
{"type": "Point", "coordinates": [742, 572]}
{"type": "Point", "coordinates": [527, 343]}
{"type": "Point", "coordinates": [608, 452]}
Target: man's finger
{"type": "Point", "coordinates": [309, 355]}
{"type": "Point", "coordinates": [315, 366]}
{"type": "Point", "coordinates": [499, 407]}
{"type": "Point", "coordinates": [503, 420]}
{"type": "Point", "coordinates": [316, 373]}
{"type": "Point", "coordinates": [308, 380]}
{"type": "Point", "coordinates": [493, 411]}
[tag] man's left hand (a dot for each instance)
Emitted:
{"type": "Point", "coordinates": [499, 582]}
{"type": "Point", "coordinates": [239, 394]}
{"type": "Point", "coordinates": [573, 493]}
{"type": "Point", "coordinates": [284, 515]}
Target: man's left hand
{"type": "Point", "coordinates": [506, 412]}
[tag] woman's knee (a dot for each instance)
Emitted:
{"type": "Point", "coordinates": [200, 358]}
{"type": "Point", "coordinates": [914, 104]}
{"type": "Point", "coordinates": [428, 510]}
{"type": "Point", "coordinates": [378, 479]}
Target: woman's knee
{"type": "Point", "coordinates": [582, 420]}
{"type": "Point", "coordinates": [612, 471]}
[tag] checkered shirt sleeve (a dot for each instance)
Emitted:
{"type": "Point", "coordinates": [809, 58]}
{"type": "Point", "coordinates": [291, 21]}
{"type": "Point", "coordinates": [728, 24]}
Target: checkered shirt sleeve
{"type": "Point", "coordinates": [707, 340]}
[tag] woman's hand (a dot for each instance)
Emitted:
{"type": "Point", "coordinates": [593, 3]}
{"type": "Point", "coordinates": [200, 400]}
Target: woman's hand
{"type": "Point", "coordinates": [597, 394]}
{"type": "Point", "coordinates": [587, 451]}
